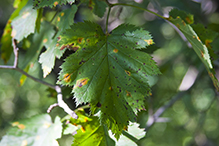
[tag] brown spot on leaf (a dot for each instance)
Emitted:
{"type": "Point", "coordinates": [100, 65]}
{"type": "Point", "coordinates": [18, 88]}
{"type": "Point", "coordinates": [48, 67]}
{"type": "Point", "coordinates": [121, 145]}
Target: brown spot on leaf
{"type": "Point", "coordinates": [81, 82]}
{"type": "Point", "coordinates": [207, 43]}
{"type": "Point", "coordinates": [128, 73]}
{"type": "Point", "coordinates": [79, 40]}
{"type": "Point", "coordinates": [67, 77]}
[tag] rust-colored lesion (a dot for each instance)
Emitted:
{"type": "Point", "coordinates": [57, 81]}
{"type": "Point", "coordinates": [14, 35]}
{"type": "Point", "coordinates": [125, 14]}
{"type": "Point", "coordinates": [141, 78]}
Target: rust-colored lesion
{"type": "Point", "coordinates": [115, 50]}
{"type": "Point", "coordinates": [67, 77]}
{"type": "Point", "coordinates": [81, 82]}
{"type": "Point", "coordinates": [128, 73]}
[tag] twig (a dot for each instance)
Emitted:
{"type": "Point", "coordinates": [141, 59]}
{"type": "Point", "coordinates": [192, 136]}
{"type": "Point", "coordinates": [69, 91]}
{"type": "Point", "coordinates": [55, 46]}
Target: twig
{"type": "Point", "coordinates": [155, 117]}
{"type": "Point", "coordinates": [60, 103]}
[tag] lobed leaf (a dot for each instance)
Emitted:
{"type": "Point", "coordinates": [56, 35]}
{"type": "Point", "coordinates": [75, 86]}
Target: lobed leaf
{"type": "Point", "coordinates": [51, 3]}
{"type": "Point", "coordinates": [36, 131]}
{"type": "Point", "coordinates": [110, 75]}
{"type": "Point", "coordinates": [199, 47]}
{"type": "Point", "coordinates": [47, 58]}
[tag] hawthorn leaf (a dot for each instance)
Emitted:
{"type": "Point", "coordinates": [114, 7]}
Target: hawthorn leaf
{"type": "Point", "coordinates": [51, 3]}
{"type": "Point", "coordinates": [66, 18]}
{"type": "Point", "coordinates": [25, 23]}
{"type": "Point", "coordinates": [35, 131]}
{"type": "Point", "coordinates": [109, 75]}
{"type": "Point", "coordinates": [6, 40]}
{"type": "Point", "coordinates": [134, 130]}
{"type": "Point", "coordinates": [47, 58]}
{"type": "Point", "coordinates": [199, 47]}
{"type": "Point", "coordinates": [90, 131]}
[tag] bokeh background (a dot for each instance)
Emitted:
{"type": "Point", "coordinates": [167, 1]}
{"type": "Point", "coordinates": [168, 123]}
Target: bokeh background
{"type": "Point", "coordinates": [194, 117]}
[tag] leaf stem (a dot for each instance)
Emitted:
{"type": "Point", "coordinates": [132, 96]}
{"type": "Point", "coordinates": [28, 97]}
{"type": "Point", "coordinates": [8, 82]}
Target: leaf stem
{"type": "Point", "coordinates": [107, 19]}
{"type": "Point", "coordinates": [140, 8]}
{"type": "Point", "coordinates": [134, 139]}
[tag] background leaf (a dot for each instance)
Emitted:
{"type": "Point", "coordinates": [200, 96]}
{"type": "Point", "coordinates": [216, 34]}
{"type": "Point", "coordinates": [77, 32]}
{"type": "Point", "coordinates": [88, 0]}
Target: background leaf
{"type": "Point", "coordinates": [102, 64]}
{"type": "Point", "coordinates": [6, 39]}
{"type": "Point", "coordinates": [38, 130]}
{"type": "Point", "coordinates": [199, 47]}
{"type": "Point", "coordinates": [25, 23]}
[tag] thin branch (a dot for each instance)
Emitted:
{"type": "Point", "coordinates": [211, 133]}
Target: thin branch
{"type": "Point", "coordinates": [60, 103]}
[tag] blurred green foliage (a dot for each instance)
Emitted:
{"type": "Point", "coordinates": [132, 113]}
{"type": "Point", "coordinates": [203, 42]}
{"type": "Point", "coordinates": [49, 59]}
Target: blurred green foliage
{"type": "Point", "coordinates": [193, 119]}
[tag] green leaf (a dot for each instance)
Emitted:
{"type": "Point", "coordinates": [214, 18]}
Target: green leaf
{"type": "Point", "coordinates": [90, 132]}
{"type": "Point", "coordinates": [38, 130]}
{"type": "Point", "coordinates": [25, 23]}
{"type": "Point", "coordinates": [99, 7]}
{"type": "Point", "coordinates": [187, 18]}
{"type": "Point", "coordinates": [47, 58]}
{"type": "Point", "coordinates": [106, 73]}
{"type": "Point", "coordinates": [51, 3]}
{"type": "Point", "coordinates": [66, 18]}
{"type": "Point", "coordinates": [6, 40]}
{"type": "Point", "coordinates": [135, 131]}
{"type": "Point", "coordinates": [199, 47]}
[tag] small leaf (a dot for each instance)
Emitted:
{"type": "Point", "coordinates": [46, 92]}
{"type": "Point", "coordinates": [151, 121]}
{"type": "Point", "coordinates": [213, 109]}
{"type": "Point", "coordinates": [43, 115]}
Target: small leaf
{"type": "Point", "coordinates": [66, 18]}
{"type": "Point", "coordinates": [51, 3]}
{"type": "Point", "coordinates": [38, 130]}
{"type": "Point", "coordinates": [47, 58]}
{"type": "Point", "coordinates": [90, 132]}
{"type": "Point", "coordinates": [24, 24]}
{"type": "Point", "coordinates": [199, 47]}
{"type": "Point", "coordinates": [108, 73]}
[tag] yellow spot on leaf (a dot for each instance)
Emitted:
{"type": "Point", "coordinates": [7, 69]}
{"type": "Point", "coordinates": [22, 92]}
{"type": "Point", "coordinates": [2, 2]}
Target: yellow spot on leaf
{"type": "Point", "coordinates": [128, 73]}
{"type": "Point", "coordinates": [190, 21]}
{"type": "Point", "coordinates": [193, 36]}
{"type": "Point", "coordinates": [111, 88]}
{"type": "Point", "coordinates": [21, 126]}
{"type": "Point", "coordinates": [13, 33]}
{"type": "Point", "coordinates": [128, 93]}
{"type": "Point", "coordinates": [55, 3]}
{"type": "Point", "coordinates": [207, 43]}
{"type": "Point", "coordinates": [46, 125]}
{"type": "Point", "coordinates": [202, 53]}
{"type": "Point", "coordinates": [125, 128]}
{"type": "Point", "coordinates": [79, 40]}
{"type": "Point", "coordinates": [15, 123]}
{"type": "Point", "coordinates": [25, 15]}
{"type": "Point", "coordinates": [67, 77]}
{"type": "Point", "coordinates": [82, 129]}
{"type": "Point", "coordinates": [198, 38]}
{"type": "Point", "coordinates": [45, 40]}
{"type": "Point", "coordinates": [115, 50]}
{"type": "Point", "coordinates": [81, 82]}
{"type": "Point", "coordinates": [149, 42]}
{"type": "Point", "coordinates": [184, 23]}
{"type": "Point", "coordinates": [150, 93]}
{"type": "Point", "coordinates": [58, 19]}
{"type": "Point", "coordinates": [24, 143]}
{"type": "Point", "coordinates": [62, 14]}
{"type": "Point", "coordinates": [85, 119]}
